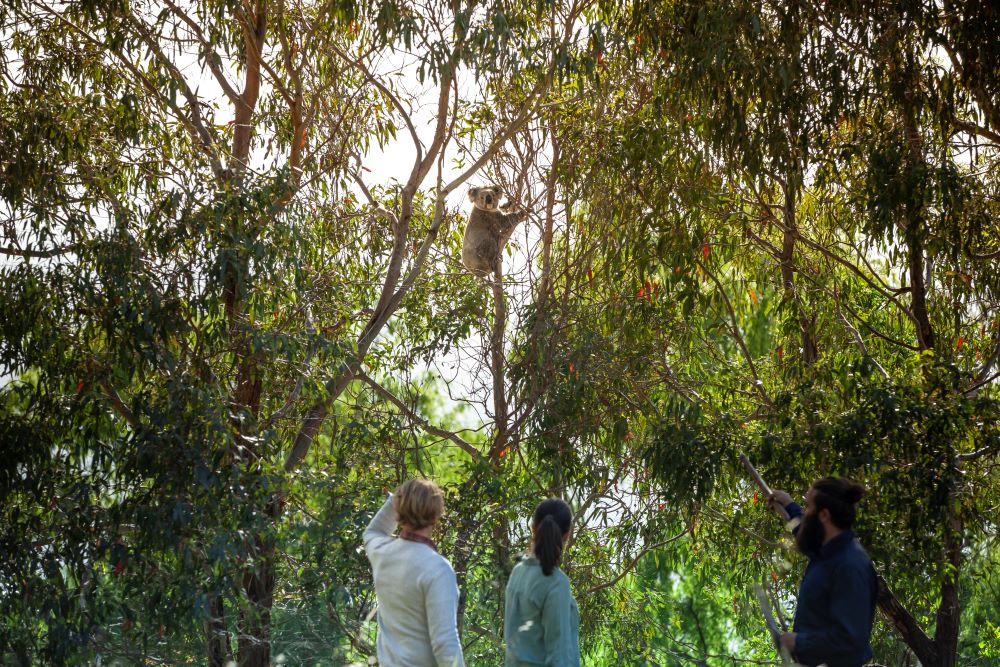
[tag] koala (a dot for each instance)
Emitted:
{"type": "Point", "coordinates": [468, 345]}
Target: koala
{"type": "Point", "coordinates": [490, 226]}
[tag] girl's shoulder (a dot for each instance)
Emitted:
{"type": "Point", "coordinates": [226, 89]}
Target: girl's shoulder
{"type": "Point", "coordinates": [559, 578]}
{"type": "Point", "coordinates": [529, 566]}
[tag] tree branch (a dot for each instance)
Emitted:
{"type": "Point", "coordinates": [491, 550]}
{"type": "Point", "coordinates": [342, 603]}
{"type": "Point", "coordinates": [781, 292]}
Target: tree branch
{"type": "Point", "coordinates": [37, 254]}
{"type": "Point", "coordinates": [734, 328]}
{"type": "Point", "coordinates": [628, 568]}
{"type": "Point", "coordinates": [119, 406]}
{"type": "Point", "coordinates": [907, 626]}
{"type": "Point", "coordinates": [857, 335]}
{"type": "Point", "coordinates": [465, 446]}
{"type": "Point", "coordinates": [211, 56]}
{"type": "Point", "coordinates": [979, 453]}
{"type": "Point", "coordinates": [977, 130]}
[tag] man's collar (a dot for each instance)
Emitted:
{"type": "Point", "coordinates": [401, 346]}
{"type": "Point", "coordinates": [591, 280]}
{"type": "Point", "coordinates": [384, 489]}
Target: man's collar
{"type": "Point", "coordinates": [837, 543]}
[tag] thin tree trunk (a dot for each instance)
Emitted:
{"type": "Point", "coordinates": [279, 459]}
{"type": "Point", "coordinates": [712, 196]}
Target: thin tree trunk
{"type": "Point", "coordinates": [793, 181]}
{"type": "Point", "coordinates": [918, 288]}
{"type": "Point", "coordinates": [254, 643]}
{"type": "Point", "coordinates": [497, 358]}
{"type": "Point", "coordinates": [950, 609]}
{"type": "Point", "coordinates": [500, 529]}
{"type": "Point", "coordinates": [503, 565]}
{"type": "Point", "coordinates": [463, 547]}
{"type": "Point", "coordinates": [913, 234]}
{"type": "Point", "coordinates": [216, 634]}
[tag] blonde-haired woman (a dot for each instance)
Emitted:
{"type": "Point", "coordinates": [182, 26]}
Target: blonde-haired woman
{"type": "Point", "coordinates": [415, 586]}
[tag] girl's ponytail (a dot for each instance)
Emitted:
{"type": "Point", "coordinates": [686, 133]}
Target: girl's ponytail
{"type": "Point", "coordinates": [548, 544]}
{"type": "Point", "coordinates": [551, 522]}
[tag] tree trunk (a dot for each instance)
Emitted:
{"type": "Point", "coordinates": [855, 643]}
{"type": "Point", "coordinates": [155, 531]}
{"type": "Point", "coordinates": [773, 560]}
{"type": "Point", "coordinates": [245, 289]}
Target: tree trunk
{"type": "Point", "coordinates": [216, 634]}
{"type": "Point", "coordinates": [913, 233]}
{"type": "Point", "coordinates": [254, 640]}
{"type": "Point", "coordinates": [463, 547]}
{"type": "Point", "coordinates": [497, 359]}
{"type": "Point", "coordinates": [942, 651]}
{"type": "Point", "coordinates": [950, 610]}
{"type": "Point", "coordinates": [918, 288]}
{"type": "Point", "coordinates": [254, 644]}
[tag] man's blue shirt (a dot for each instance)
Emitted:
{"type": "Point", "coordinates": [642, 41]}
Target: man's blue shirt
{"type": "Point", "coordinates": [836, 606]}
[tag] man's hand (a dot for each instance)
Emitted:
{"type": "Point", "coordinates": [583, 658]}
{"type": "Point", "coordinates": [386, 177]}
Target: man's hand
{"type": "Point", "coordinates": [787, 640]}
{"type": "Point", "coordinates": [778, 501]}
{"type": "Point", "coordinates": [781, 498]}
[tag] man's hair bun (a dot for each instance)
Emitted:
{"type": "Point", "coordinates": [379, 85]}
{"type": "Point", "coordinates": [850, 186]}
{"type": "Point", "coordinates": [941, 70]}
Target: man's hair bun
{"type": "Point", "coordinates": [854, 493]}
{"type": "Point", "coordinates": [839, 495]}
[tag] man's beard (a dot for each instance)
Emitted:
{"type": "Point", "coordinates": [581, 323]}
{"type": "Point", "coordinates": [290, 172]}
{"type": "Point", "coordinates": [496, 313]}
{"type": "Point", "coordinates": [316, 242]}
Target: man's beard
{"type": "Point", "coordinates": [809, 537]}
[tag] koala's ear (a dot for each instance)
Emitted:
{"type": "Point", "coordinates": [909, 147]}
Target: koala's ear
{"type": "Point", "coordinates": [473, 193]}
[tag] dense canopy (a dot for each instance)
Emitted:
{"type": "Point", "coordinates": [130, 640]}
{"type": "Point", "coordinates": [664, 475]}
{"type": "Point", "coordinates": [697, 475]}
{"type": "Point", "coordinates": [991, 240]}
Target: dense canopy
{"type": "Point", "coordinates": [233, 314]}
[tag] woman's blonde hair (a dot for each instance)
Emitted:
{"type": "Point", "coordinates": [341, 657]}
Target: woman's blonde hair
{"type": "Point", "coordinates": [418, 503]}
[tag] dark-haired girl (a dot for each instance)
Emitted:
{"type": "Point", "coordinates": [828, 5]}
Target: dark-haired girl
{"type": "Point", "coordinates": [541, 620]}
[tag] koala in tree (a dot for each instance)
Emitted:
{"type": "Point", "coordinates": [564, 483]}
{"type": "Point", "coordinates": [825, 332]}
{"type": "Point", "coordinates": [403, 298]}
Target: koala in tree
{"type": "Point", "coordinates": [490, 226]}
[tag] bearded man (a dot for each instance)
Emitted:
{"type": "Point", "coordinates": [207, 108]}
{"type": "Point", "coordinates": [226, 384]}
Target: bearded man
{"type": "Point", "coordinates": [836, 604]}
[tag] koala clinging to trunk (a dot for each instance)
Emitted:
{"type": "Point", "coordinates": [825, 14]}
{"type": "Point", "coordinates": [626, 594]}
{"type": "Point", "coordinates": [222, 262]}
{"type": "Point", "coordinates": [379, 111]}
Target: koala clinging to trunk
{"type": "Point", "coordinates": [490, 227]}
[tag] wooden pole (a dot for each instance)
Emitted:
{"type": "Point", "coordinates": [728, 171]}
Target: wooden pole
{"type": "Point", "coordinates": [765, 489]}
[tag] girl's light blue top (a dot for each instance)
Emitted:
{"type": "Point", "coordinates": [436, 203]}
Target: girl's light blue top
{"type": "Point", "coordinates": [541, 619]}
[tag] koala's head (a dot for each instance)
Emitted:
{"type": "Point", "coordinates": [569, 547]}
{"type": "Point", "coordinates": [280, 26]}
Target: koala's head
{"type": "Point", "coordinates": [486, 197]}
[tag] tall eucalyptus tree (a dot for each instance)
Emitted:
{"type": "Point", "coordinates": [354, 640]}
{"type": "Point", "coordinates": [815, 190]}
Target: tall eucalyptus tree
{"type": "Point", "coordinates": [197, 264]}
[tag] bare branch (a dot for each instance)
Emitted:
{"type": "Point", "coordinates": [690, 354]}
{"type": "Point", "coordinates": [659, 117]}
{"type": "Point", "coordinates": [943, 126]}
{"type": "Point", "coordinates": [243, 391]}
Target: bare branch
{"type": "Point", "coordinates": [979, 453]}
{"type": "Point", "coordinates": [383, 212]}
